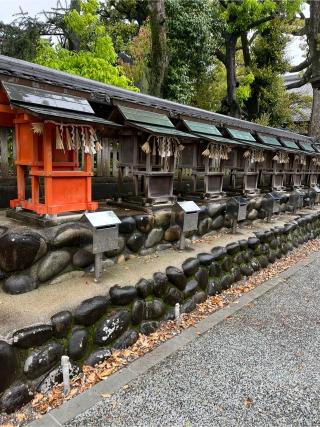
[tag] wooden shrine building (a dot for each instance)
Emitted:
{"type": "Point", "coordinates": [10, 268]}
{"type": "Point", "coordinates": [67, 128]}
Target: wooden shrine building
{"type": "Point", "coordinates": [61, 122]}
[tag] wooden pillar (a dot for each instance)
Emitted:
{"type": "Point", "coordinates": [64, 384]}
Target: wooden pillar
{"type": "Point", "coordinates": [88, 168]}
{"type": "Point", "coordinates": [47, 164]}
{"type": "Point", "coordinates": [4, 166]}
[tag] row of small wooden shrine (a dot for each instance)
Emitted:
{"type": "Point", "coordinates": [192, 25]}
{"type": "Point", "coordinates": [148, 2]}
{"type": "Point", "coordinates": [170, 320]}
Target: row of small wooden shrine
{"type": "Point", "coordinates": [60, 119]}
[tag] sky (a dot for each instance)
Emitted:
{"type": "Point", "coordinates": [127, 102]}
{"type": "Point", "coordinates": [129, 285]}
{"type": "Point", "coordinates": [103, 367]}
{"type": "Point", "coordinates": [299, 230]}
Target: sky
{"type": "Point", "coordinates": [33, 7]}
{"type": "Point", "coordinates": [10, 7]}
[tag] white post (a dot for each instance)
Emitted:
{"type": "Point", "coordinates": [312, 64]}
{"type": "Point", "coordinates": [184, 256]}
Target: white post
{"type": "Point", "coordinates": [177, 314]}
{"type": "Point", "coordinates": [65, 374]}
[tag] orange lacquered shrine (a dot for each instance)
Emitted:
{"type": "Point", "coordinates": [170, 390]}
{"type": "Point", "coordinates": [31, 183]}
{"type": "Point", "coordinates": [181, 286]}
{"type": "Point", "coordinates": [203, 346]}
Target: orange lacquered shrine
{"type": "Point", "coordinates": [51, 131]}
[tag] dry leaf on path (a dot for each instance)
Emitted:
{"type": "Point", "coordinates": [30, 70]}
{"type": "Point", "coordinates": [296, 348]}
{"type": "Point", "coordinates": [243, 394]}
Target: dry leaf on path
{"type": "Point", "coordinates": [247, 402]}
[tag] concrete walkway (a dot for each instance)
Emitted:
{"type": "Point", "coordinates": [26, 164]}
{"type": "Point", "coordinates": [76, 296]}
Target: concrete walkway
{"type": "Point", "coordinates": [258, 367]}
{"type": "Point", "coordinates": [19, 311]}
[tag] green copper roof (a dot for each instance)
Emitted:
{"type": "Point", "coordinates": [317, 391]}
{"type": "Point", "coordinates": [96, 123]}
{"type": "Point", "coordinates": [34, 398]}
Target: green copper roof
{"type": "Point", "coordinates": [288, 143]}
{"type": "Point", "coordinates": [160, 130]}
{"type": "Point", "coordinates": [241, 134]}
{"type": "Point", "coordinates": [307, 147]}
{"type": "Point", "coordinates": [63, 115]}
{"type": "Point", "coordinates": [269, 140]}
{"type": "Point", "coordinates": [43, 98]}
{"type": "Point", "coordinates": [146, 117]}
{"type": "Point", "coordinates": [203, 128]}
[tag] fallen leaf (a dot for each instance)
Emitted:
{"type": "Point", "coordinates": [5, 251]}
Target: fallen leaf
{"type": "Point", "coordinates": [247, 402]}
{"type": "Point", "coordinates": [21, 417]}
{"type": "Point", "coordinates": [106, 395]}
{"type": "Point", "coordinates": [125, 387]}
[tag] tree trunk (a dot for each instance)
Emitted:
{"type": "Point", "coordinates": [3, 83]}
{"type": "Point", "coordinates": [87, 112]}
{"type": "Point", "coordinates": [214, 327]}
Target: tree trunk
{"type": "Point", "coordinates": [159, 56]}
{"type": "Point", "coordinates": [313, 36]}
{"type": "Point", "coordinates": [73, 39]}
{"type": "Point", "coordinates": [314, 128]}
{"type": "Point", "coordinates": [232, 103]}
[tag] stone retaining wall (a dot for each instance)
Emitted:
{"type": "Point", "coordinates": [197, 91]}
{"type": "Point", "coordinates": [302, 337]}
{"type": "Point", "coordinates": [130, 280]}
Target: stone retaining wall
{"type": "Point", "coordinates": [30, 360]}
{"type": "Point", "coordinates": [30, 257]}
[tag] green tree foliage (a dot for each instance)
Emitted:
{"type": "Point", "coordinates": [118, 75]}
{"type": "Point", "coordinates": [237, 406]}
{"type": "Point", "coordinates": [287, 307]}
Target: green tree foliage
{"type": "Point", "coordinates": [268, 97]}
{"type": "Point", "coordinates": [19, 38]}
{"type": "Point", "coordinates": [123, 20]}
{"type": "Point", "coordinates": [236, 19]}
{"type": "Point", "coordinates": [139, 49]}
{"type": "Point", "coordinates": [96, 57]}
{"type": "Point", "coordinates": [191, 46]}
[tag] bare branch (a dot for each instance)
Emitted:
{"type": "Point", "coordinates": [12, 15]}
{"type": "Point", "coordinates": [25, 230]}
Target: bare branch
{"type": "Point", "coordinates": [253, 37]}
{"type": "Point", "coordinates": [223, 4]}
{"type": "Point", "coordinates": [221, 56]}
{"type": "Point", "coordinates": [304, 64]}
{"type": "Point", "coordinates": [304, 80]}
{"type": "Point", "coordinates": [260, 21]}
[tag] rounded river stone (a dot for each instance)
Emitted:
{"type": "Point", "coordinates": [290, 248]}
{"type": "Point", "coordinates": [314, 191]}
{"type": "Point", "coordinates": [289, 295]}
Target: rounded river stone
{"type": "Point", "coordinates": [148, 328]}
{"type": "Point", "coordinates": [217, 222]}
{"type": "Point", "coordinates": [233, 248]}
{"type": "Point", "coordinates": [154, 237]}
{"type": "Point", "coordinates": [160, 284]}
{"type": "Point", "coordinates": [144, 223]}
{"type": "Point", "coordinates": [98, 356]}
{"type": "Point", "coordinates": [82, 258]}
{"type": "Point", "coordinates": [8, 365]}
{"type": "Point", "coordinates": [188, 306]}
{"type": "Point", "coordinates": [111, 327]}
{"type": "Point", "coordinates": [144, 288]}
{"type": "Point", "coordinates": [126, 340]}
{"type": "Point", "coordinates": [172, 234]}
{"type": "Point", "coordinates": [172, 296]}
{"type": "Point", "coordinates": [19, 250]}
{"type": "Point", "coordinates": [72, 235]}
{"type": "Point", "coordinates": [32, 336]}
{"type": "Point", "coordinates": [53, 264]}
{"type": "Point", "coordinates": [177, 277]}
{"type": "Point", "coordinates": [77, 344]}
{"type": "Point", "coordinates": [42, 360]}
{"type": "Point", "coordinates": [122, 295]}
{"type": "Point", "coordinates": [90, 310]}
{"type": "Point", "coordinates": [19, 284]}
{"type": "Point", "coordinates": [202, 277]}
{"type": "Point", "coordinates": [154, 309]}
{"type": "Point", "coordinates": [15, 397]}
{"type": "Point", "coordinates": [218, 252]}
{"type": "Point", "coordinates": [135, 241]}
{"type": "Point", "coordinates": [215, 209]}
{"type": "Point", "coordinates": [205, 258]}
{"type": "Point", "coordinates": [61, 323]}
{"type": "Point", "coordinates": [190, 266]}
{"type": "Point", "coordinates": [138, 311]}
{"type": "Point", "coordinates": [190, 288]}
{"type": "Point", "coordinates": [199, 297]}
{"type": "Point", "coordinates": [204, 226]}
{"type": "Point", "coordinates": [127, 225]}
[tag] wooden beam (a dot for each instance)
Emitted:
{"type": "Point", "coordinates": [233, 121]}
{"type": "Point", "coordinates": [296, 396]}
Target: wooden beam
{"type": "Point", "coordinates": [4, 163]}
{"type": "Point", "coordinates": [6, 109]}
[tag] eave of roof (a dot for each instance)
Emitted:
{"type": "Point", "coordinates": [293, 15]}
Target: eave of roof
{"type": "Point", "coordinates": [103, 93]}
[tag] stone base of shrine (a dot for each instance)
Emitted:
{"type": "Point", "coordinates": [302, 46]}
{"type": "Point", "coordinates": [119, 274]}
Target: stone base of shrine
{"type": "Point", "coordinates": [70, 313]}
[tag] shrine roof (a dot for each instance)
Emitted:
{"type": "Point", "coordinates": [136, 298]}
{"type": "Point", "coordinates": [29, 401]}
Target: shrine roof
{"type": "Point", "coordinates": [22, 72]}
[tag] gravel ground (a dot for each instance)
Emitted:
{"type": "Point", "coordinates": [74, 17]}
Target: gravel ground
{"type": "Point", "coordinates": [258, 368]}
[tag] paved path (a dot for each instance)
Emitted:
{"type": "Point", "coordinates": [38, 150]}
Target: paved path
{"type": "Point", "coordinates": [258, 368]}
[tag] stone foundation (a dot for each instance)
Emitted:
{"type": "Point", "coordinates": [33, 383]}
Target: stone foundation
{"type": "Point", "coordinates": [31, 257]}
{"type": "Point", "coordinates": [29, 361]}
